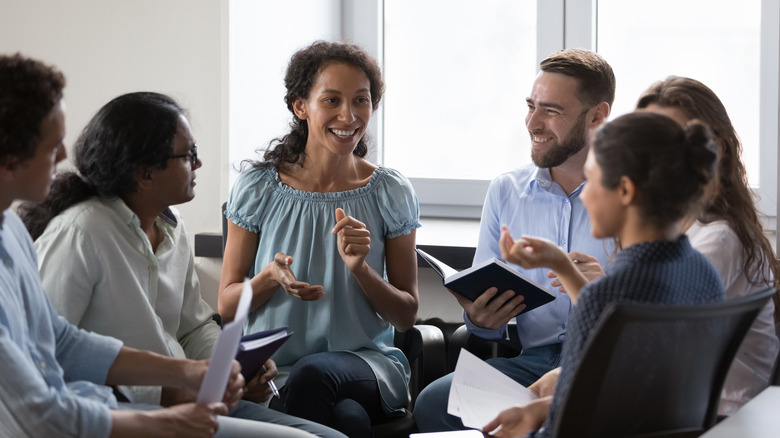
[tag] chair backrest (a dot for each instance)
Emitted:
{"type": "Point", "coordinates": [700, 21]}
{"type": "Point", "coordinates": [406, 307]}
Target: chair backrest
{"type": "Point", "coordinates": [774, 379]}
{"type": "Point", "coordinates": [648, 368]}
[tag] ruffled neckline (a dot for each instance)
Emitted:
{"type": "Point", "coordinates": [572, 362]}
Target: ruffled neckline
{"type": "Point", "coordinates": [376, 176]}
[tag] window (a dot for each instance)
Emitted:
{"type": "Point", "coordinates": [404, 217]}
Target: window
{"type": "Point", "coordinates": [717, 45]}
{"type": "Point", "coordinates": [458, 72]}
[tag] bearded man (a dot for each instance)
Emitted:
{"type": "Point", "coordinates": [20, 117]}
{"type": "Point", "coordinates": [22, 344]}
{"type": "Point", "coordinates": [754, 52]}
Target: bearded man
{"type": "Point", "coordinates": [570, 98]}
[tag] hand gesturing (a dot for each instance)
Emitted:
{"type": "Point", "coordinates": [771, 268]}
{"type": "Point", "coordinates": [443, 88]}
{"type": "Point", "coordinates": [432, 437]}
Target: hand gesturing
{"type": "Point", "coordinates": [354, 239]}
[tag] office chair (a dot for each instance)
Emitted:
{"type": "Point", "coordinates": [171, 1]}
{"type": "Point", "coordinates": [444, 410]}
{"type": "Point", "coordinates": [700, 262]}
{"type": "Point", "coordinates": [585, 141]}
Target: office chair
{"type": "Point", "coordinates": [655, 370]}
{"type": "Point", "coordinates": [423, 346]}
{"type": "Point", "coordinates": [481, 347]}
{"type": "Point", "coordinates": [774, 378]}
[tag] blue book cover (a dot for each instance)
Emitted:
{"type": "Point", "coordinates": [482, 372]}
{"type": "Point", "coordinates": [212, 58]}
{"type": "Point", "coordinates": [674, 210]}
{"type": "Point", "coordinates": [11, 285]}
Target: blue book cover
{"type": "Point", "coordinates": [474, 281]}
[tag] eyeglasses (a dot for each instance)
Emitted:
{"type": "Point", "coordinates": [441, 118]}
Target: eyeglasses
{"type": "Point", "coordinates": [192, 155]}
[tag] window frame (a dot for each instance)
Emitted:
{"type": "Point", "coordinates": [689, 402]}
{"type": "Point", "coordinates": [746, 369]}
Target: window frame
{"type": "Point", "coordinates": [564, 24]}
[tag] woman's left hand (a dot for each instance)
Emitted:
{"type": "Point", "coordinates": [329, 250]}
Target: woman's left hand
{"type": "Point", "coordinates": [354, 239]}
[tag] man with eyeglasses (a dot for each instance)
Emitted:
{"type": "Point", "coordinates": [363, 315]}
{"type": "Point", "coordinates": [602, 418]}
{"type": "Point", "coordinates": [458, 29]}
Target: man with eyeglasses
{"type": "Point", "coordinates": [571, 97]}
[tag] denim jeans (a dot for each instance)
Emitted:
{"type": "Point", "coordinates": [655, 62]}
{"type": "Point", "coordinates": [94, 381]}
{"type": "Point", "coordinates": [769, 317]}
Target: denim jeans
{"type": "Point", "coordinates": [430, 410]}
{"type": "Point", "coordinates": [337, 389]}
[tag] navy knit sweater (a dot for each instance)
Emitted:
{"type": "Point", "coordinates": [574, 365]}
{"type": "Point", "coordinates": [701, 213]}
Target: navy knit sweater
{"type": "Point", "coordinates": [654, 272]}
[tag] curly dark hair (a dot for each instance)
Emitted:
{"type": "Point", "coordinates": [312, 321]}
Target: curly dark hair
{"type": "Point", "coordinates": [302, 73]}
{"type": "Point", "coordinates": [133, 132]}
{"type": "Point", "coordinates": [669, 166]}
{"type": "Point", "coordinates": [29, 90]}
{"type": "Point", "coordinates": [731, 199]}
{"type": "Point", "coordinates": [595, 76]}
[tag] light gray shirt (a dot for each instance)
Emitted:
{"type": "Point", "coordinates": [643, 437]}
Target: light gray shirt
{"type": "Point", "coordinates": [101, 274]}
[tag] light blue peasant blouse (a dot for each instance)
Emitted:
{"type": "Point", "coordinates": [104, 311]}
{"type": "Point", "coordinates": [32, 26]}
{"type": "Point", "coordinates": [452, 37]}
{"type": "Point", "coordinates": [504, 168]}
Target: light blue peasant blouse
{"type": "Point", "coordinates": [298, 224]}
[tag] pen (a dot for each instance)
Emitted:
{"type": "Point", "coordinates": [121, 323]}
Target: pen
{"type": "Point", "coordinates": [271, 383]}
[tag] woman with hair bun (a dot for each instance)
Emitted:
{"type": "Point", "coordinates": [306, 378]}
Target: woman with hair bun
{"type": "Point", "coordinates": [643, 172]}
{"type": "Point", "coordinates": [727, 230]}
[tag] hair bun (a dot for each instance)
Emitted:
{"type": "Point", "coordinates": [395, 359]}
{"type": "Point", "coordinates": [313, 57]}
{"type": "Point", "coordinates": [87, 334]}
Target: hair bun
{"type": "Point", "coordinates": [702, 153]}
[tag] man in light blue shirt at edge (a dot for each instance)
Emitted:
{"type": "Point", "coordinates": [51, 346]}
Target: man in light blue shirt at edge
{"type": "Point", "coordinates": [54, 375]}
{"type": "Point", "coordinates": [570, 98]}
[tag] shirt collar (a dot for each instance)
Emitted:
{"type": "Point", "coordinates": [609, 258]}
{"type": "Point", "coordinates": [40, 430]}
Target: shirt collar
{"type": "Point", "coordinates": [129, 217]}
{"type": "Point", "coordinates": [544, 180]}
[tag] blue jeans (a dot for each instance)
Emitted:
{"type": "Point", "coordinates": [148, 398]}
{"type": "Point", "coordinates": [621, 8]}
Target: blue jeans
{"type": "Point", "coordinates": [430, 409]}
{"type": "Point", "coordinates": [337, 389]}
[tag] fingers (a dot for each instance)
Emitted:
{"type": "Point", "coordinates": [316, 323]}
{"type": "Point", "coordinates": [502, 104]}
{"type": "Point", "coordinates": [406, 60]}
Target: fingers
{"type": "Point", "coordinates": [271, 372]}
{"type": "Point", "coordinates": [581, 257]}
{"type": "Point", "coordinates": [356, 241]}
{"type": "Point", "coordinates": [304, 291]}
{"type": "Point", "coordinates": [493, 425]}
{"type": "Point", "coordinates": [258, 390]}
{"type": "Point", "coordinates": [218, 408]}
{"type": "Point", "coordinates": [235, 388]}
{"type": "Point", "coordinates": [344, 221]}
{"type": "Point", "coordinates": [496, 313]}
{"type": "Point", "coordinates": [283, 259]}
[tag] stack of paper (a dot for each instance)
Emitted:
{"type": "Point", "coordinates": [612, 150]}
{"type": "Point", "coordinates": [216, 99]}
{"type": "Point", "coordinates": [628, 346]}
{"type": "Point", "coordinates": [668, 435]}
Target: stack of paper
{"type": "Point", "coordinates": [215, 381]}
{"type": "Point", "coordinates": [480, 392]}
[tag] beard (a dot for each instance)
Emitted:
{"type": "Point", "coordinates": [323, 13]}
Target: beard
{"type": "Point", "coordinates": [558, 154]}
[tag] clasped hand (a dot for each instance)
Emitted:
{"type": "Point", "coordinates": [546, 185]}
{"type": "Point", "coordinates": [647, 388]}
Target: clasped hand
{"type": "Point", "coordinates": [353, 240]}
{"type": "Point", "coordinates": [195, 372]}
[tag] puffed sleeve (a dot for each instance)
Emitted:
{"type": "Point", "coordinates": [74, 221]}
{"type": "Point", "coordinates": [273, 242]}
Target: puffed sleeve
{"type": "Point", "coordinates": [245, 204]}
{"type": "Point", "coordinates": [398, 204]}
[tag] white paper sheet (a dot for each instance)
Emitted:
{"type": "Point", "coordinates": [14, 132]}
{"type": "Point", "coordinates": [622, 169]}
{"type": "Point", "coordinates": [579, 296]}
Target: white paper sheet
{"type": "Point", "coordinates": [480, 392]}
{"type": "Point", "coordinates": [456, 434]}
{"type": "Point", "coordinates": [215, 381]}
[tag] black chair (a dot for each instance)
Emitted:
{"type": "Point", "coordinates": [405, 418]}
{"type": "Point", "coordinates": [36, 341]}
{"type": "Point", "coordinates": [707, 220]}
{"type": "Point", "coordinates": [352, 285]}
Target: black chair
{"type": "Point", "coordinates": [774, 378]}
{"type": "Point", "coordinates": [480, 347]}
{"type": "Point", "coordinates": [423, 345]}
{"type": "Point", "coordinates": [655, 370]}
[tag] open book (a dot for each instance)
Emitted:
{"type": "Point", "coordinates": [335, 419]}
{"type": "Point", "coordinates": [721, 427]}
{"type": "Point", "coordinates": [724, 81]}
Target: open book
{"type": "Point", "coordinates": [474, 281]}
{"type": "Point", "coordinates": [255, 349]}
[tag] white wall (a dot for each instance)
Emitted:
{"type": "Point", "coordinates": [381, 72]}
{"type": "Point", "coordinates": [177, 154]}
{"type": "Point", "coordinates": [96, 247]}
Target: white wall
{"type": "Point", "coordinates": [177, 47]}
{"type": "Point", "coordinates": [106, 48]}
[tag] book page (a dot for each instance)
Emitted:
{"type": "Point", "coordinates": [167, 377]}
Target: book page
{"type": "Point", "coordinates": [441, 268]}
{"type": "Point", "coordinates": [480, 392]}
{"type": "Point", "coordinates": [215, 381]}
{"type": "Point", "coordinates": [256, 343]}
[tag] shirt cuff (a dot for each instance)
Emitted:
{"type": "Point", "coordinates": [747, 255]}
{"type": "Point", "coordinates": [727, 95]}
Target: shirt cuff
{"type": "Point", "coordinates": [483, 332]}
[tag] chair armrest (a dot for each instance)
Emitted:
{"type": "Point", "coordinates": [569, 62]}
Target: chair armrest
{"type": "Point", "coordinates": [424, 347]}
{"type": "Point", "coordinates": [481, 347]}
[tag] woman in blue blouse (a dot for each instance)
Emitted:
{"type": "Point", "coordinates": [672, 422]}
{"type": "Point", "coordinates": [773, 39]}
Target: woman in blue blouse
{"type": "Point", "coordinates": [328, 239]}
{"type": "Point", "coordinates": [644, 174]}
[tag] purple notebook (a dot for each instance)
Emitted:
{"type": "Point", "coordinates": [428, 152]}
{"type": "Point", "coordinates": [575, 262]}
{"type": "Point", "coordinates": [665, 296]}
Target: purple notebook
{"type": "Point", "coordinates": [255, 349]}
